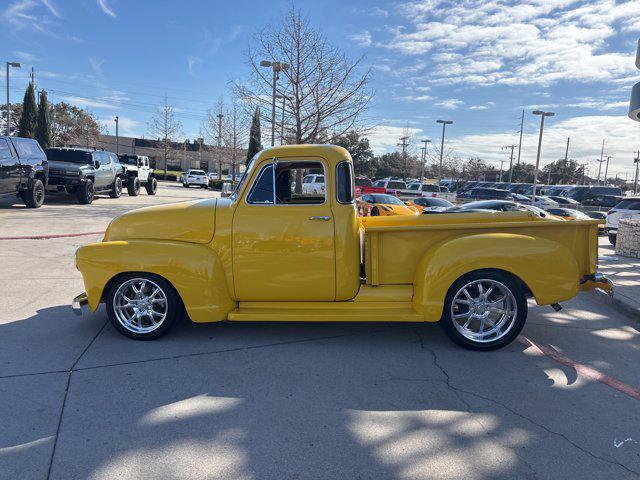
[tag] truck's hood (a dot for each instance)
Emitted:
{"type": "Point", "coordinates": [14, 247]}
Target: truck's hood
{"type": "Point", "coordinates": [185, 222]}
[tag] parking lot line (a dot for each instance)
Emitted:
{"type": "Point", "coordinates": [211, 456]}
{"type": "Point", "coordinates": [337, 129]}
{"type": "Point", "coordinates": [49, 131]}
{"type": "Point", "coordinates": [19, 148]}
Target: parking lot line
{"type": "Point", "coordinates": [585, 370]}
{"type": "Point", "coordinates": [45, 237]}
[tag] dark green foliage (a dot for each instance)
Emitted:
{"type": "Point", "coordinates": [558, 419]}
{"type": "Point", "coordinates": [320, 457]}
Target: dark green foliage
{"type": "Point", "coordinates": [255, 136]}
{"type": "Point", "coordinates": [43, 127]}
{"type": "Point", "coordinates": [29, 118]}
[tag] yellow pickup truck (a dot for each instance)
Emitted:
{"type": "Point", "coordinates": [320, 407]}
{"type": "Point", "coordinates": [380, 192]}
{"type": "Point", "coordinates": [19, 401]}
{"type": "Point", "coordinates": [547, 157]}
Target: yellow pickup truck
{"type": "Point", "coordinates": [276, 252]}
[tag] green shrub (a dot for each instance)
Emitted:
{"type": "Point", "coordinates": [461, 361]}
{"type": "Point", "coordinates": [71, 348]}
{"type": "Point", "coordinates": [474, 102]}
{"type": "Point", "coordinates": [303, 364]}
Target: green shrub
{"type": "Point", "coordinates": [216, 184]}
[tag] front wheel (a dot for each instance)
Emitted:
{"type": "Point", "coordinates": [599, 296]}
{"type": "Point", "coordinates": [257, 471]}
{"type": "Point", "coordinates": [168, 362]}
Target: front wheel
{"type": "Point", "coordinates": [85, 192]}
{"type": "Point", "coordinates": [484, 310]}
{"type": "Point", "coordinates": [116, 188]}
{"type": "Point", "coordinates": [143, 306]}
{"type": "Point", "coordinates": [133, 186]}
{"type": "Point", "coordinates": [34, 196]}
{"type": "Point", "coordinates": [151, 186]}
{"type": "Point", "coordinates": [612, 239]}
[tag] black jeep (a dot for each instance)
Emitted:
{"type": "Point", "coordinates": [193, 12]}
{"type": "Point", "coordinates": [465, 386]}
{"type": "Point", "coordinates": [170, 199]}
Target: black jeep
{"type": "Point", "coordinates": [23, 170]}
{"type": "Point", "coordinates": [84, 172]}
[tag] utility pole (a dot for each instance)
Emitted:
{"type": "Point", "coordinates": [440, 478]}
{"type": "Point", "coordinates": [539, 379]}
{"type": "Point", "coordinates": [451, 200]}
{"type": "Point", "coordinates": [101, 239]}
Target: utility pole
{"type": "Point", "coordinates": [15, 65]}
{"type": "Point", "coordinates": [606, 168]}
{"type": "Point", "coordinates": [583, 165]}
{"type": "Point", "coordinates": [220, 115]}
{"type": "Point", "coordinates": [283, 97]}
{"type": "Point", "coordinates": [277, 68]}
{"type": "Point", "coordinates": [424, 158]}
{"type": "Point", "coordinates": [636, 160]}
{"type": "Point", "coordinates": [601, 160]}
{"type": "Point", "coordinates": [520, 142]}
{"type": "Point", "coordinates": [535, 173]}
{"type": "Point", "coordinates": [404, 143]}
{"type": "Point", "coordinates": [444, 125]}
{"type": "Point", "coordinates": [501, 164]}
{"type": "Point", "coordinates": [117, 137]}
{"type": "Point", "coordinates": [510, 163]}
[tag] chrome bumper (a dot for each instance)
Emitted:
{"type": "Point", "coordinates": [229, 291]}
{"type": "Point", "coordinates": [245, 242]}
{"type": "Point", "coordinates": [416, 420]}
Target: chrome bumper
{"type": "Point", "coordinates": [78, 302]}
{"type": "Point", "coordinates": [597, 280]}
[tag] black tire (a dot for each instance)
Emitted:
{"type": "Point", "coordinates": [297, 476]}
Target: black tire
{"type": "Point", "coordinates": [516, 325]}
{"type": "Point", "coordinates": [86, 192]}
{"type": "Point", "coordinates": [34, 196]}
{"type": "Point", "coordinates": [133, 186]}
{"type": "Point", "coordinates": [375, 212]}
{"type": "Point", "coordinates": [174, 312]}
{"type": "Point", "coordinates": [612, 239]}
{"type": "Point", "coordinates": [151, 186]}
{"type": "Point", "coordinates": [116, 188]}
{"type": "Point", "coordinates": [185, 185]}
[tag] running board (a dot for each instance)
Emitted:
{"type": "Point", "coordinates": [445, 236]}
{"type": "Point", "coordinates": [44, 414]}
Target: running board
{"type": "Point", "coordinates": [324, 312]}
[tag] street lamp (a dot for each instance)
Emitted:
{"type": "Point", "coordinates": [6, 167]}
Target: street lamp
{"type": "Point", "coordinates": [283, 97]}
{"type": "Point", "coordinates": [117, 137]}
{"type": "Point", "coordinates": [220, 116]}
{"type": "Point", "coordinates": [535, 173]}
{"type": "Point", "coordinates": [424, 158]}
{"type": "Point", "coordinates": [277, 68]}
{"type": "Point", "coordinates": [444, 125]}
{"type": "Point", "coordinates": [15, 65]}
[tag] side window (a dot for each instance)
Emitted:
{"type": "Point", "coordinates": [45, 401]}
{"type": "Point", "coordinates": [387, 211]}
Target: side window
{"type": "Point", "coordinates": [5, 151]}
{"type": "Point", "coordinates": [289, 187]}
{"type": "Point", "coordinates": [308, 179]}
{"type": "Point", "coordinates": [27, 148]}
{"type": "Point", "coordinates": [344, 182]}
{"type": "Point", "coordinates": [262, 190]}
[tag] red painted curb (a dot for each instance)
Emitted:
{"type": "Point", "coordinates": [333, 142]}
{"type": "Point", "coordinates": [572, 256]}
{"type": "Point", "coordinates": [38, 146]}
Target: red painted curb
{"type": "Point", "coordinates": [45, 237]}
{"type": "Point", "coordinates": [588, 372]}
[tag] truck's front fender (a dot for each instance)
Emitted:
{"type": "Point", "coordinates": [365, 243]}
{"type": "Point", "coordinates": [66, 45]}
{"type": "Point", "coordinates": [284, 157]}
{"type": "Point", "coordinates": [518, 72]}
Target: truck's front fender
{"type": "Point", "coordinates": [194, 270]}
{"type": "Point", "coordinates": [548, 269]}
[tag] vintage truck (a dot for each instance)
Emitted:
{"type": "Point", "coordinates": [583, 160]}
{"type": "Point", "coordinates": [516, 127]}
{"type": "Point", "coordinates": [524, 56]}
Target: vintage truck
{"type": "Point", "coordinates": [273, 253]}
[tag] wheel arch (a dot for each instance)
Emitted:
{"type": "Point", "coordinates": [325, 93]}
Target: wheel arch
{"type": "Point", "coordinates": [545, 269]}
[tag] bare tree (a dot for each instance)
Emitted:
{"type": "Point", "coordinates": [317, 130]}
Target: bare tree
{"type": "Point", "coordinates": [325, 93]}
{"type": "Point", "coordinates": [165, 127]}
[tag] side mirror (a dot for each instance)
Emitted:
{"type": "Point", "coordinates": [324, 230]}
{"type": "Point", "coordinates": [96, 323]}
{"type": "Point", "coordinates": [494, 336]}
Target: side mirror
{"type": "Point", "coordinates": [96, 163]}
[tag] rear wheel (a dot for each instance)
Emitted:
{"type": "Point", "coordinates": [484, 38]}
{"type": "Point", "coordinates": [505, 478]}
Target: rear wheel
{"type": "Point", "coordinates": [151, 186]}
{"type": "Point", "coordinates": [612, 239]}
{"type": "Point", "coordinates": [133, 186]}
{"type": "Point", "coordinates": [34, 196]}
{"type": "Point", "coordinates": [85, 192]}
{"type": "Point", "coordinates": [116, 188]}
{"type": "Point", "coordinates": [484, 310]}
{"type": "Point", "coordinates": [143, 306]}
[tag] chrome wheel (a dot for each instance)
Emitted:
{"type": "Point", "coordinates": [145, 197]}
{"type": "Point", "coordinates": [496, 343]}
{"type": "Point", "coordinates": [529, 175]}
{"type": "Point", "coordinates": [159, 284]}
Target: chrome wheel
{"type": "Point", "coordinates": [140, 305]}
{"type": "Point", "coordinates": [484, 310]}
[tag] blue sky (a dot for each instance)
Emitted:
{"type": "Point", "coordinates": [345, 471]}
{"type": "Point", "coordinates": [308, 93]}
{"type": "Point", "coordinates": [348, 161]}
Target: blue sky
{"type": "Point", "coordinates": [478, 63]}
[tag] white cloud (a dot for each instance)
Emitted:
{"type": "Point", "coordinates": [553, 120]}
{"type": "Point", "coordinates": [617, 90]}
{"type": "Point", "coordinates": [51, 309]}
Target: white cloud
{"type": "Point", "coordinates": [362, 39]}
{"type": "Point", "coordinates": [106, 9]}
{"type": "Point", "coordinates": [89, 102]}
{"type": "Point", "coordinates": [51, 7]}
{"type": "Point", "coordinates": [25, 56]}
{"type": "Point", "coordinates": [127, 127]}
{"type": "Point", "coordinates": [450, 103]}
{"type": "Point", "coordinates": [191, 63]}
{"type": "Point", "coordinates": [383, 138]}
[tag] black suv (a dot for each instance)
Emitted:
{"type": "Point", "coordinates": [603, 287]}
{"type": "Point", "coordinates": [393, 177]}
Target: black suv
{"type": "Point", "coordinates": [23, 170]}
{"type": "Point", "coordinates": [84, 172]}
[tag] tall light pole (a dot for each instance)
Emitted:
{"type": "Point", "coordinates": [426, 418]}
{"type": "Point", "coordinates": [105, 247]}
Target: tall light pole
{"type": "Point", "coordinates": [277, 68]}
{"type": "Point", "coordinates": [424, 157]}
{"type": "Point", "coordinates": [510, 163]}
{"type": "Point", "coordinates": [606, 168]}
{"type": "Point", "coordinates": [283, 97]}
{"type": "Point", "coordinates": [220, 145]}
{"type": "Point", "coordinates": [636, 160]}
{"type": "Point", "coordinates": [403, 143]}
{"type": "Point", "coordinates": [601, 160]}
{"type": "Point", "coordinates": [444, 126]}
{"type": "Point", "coordinates": [117, 136]}
{"type": "Point", "coordinates": [535, 172]}
{"type": "Point", "coordinates": [15, 65]}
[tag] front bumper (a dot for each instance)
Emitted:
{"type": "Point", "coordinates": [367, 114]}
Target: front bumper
{"type": "Point", "coordinates": [597, 280]}
{"type": "Point", "coordinates": [78, 302]}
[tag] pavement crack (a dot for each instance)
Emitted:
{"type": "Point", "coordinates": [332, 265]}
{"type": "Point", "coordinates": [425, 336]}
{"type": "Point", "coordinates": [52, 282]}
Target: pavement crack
{"type": "Point", "coordinates": [459, 391]}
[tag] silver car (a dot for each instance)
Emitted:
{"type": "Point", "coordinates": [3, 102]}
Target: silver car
{"type": "Point", "coordinates": [626, 208]}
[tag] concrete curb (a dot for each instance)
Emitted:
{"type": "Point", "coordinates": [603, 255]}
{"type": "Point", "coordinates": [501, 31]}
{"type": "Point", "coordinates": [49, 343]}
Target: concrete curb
{"type": "Point", "coordinates": [617, 303]}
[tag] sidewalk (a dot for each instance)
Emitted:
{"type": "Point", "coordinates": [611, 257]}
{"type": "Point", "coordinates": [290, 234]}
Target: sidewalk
{"type": "Point", "coordinates": [624, 272]}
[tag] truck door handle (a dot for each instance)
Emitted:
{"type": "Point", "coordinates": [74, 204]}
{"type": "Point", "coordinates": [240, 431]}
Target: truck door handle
{"type": "Point", "coordinates": [321, 217]}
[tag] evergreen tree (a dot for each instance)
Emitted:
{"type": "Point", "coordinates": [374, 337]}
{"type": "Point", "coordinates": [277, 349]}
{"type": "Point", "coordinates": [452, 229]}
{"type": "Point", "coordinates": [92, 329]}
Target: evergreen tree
{"type": "Point", "coordinates": [255, 136]}
{"type": "Point", "coordinates": [43, 128]}
{"type": "Point", "coordinates": [29, 116]}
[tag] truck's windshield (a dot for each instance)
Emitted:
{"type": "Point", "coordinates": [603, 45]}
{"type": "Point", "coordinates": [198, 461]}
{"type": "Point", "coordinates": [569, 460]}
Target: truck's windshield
{"type": "Point", "coordinates": [64, 155]}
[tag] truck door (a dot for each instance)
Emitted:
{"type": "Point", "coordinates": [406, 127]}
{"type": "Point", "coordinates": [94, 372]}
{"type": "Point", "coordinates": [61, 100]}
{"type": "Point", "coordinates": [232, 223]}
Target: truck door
{"type": "Point", "coordinates": [9, 168]}
{"type": "Point", "coordinates": [283, 237]}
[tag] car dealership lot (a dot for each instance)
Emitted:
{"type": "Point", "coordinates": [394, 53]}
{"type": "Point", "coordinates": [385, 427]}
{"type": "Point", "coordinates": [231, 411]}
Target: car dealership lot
{"type": "Point", "coordinates": [78, 400]}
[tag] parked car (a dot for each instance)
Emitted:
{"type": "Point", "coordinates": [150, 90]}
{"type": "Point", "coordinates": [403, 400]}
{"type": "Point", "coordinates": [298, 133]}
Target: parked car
{"type": "Point", "coordinates": [543, 202]}
{"type": "Point", "coordinates": [194, 177]}
{"type": "Point", "coordinates": [365, 185]}
{"type": "Point", "coordinates": [138, 173]}
{"type": "Point", "coordinates": [568, 213]}
{"type": "Point", "coordinates": [605, 201]}
{"type": "Point", "coordinates": [581, 193]}
{"type": "Point", "coordinates": [420, 188]}
{"type": "Point", "coordinates": [564, 201]}
{"type": "Point", "coordinates": [390, 186]}
{"type": "Point", "coordinates": [494, 205]}
{"type": "Point", "coordinates": [383, 204]}
{"type": "Point", "coordinates": [212, 176]}
{"type": "Point", "coordinates": [24, 170]}
{"type": "Point", "coordinates": [626, 208]}
{"type": "Point", "coordinates": [84, 173]}
{"type": "Point", "coordinates": [602, 220]}
{"type": "Point", "coordinates": [481, 193]}
{"type": "Point", "coordinates": [268, 255]}
{"type": "Point", "coordinates": [313, 184]}
{"type": "Point", "coordinates": [430, 204]}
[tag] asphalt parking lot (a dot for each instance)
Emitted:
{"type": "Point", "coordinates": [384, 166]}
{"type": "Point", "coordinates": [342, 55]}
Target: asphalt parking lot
{"type": "Point", "coordinates": [295, 401]}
